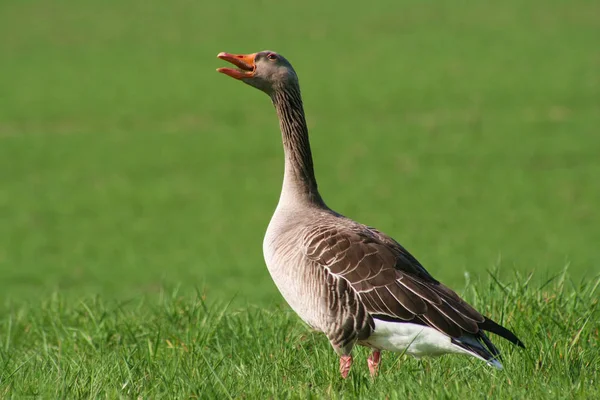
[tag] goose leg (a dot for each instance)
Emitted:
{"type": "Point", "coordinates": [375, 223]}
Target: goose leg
{"type": "Point", "coordinates": [373, 362]}
{"type": "Point", "coordinates": [345, 365]}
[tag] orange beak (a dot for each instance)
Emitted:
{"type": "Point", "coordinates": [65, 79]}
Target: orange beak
{"type": "Point", "coordinates": [244, 63]}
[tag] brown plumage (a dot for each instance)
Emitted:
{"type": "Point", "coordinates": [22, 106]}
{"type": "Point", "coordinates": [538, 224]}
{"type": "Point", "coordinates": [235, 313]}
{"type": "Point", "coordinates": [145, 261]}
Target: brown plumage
{"type": "Point", "coordinates": [350, 281]}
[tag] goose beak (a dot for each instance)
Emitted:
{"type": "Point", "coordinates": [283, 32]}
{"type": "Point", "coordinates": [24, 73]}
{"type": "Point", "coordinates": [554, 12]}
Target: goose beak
{"type": "Point", "coordinates": [244, 63]}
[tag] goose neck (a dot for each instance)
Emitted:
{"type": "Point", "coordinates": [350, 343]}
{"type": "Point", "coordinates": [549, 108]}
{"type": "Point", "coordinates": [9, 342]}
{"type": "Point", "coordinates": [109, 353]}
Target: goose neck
{"type": "Point", "coordinates": [299, 183]}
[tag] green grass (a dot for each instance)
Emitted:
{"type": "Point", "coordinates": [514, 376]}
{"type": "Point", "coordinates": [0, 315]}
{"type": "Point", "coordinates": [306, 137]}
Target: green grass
{"type": "Point", "coordinates": [466, 130]}
{"type": "Point", "coordinates": [179, 347]}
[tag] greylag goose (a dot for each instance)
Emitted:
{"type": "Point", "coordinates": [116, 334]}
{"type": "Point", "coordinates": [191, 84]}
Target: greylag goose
{"type": "Point", "coordinates": [348, 280]}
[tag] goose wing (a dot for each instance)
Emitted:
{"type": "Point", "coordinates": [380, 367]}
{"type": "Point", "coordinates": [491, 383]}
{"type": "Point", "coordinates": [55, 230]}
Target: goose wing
{"type": "Point", "coordinates": [391, 283]}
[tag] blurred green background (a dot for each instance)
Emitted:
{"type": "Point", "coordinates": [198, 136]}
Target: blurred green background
{"type": "Point", "coordinates": [467, 130]}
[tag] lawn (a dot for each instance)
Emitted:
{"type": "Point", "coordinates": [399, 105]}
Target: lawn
{"type": "Point", "coordinates": [136, 184]}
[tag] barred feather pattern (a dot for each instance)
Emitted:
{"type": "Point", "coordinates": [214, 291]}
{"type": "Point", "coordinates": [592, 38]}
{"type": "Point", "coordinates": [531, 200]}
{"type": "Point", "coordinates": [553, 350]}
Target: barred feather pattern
{"type": "Point", "coordinates": [323, 300]}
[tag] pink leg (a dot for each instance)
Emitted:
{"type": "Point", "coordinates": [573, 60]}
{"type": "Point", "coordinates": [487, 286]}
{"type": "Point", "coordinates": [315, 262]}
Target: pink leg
{"type": "Point", "coordinates": [373, 362]}
{"type": "Point", "coordinates": [345, 364]}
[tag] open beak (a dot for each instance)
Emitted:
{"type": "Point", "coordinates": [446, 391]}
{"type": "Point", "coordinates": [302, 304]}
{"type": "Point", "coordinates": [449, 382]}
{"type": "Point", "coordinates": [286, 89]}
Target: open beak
{"type": "Point", "coordinates": [244, 63]}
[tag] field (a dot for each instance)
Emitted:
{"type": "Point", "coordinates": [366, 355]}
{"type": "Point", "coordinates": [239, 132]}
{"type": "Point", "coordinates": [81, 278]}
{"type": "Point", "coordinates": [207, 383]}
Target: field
{"type": "Point", "coordinates": [136, 184]}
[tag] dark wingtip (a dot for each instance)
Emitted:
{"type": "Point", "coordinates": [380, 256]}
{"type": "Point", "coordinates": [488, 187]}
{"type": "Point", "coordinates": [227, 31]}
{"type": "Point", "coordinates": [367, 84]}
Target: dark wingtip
{"type": "Point", "coordinates": [491, 326]}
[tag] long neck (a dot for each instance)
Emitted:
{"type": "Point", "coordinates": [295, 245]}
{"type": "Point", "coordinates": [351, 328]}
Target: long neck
{"type": "Point", "coordinates": [299, 183]}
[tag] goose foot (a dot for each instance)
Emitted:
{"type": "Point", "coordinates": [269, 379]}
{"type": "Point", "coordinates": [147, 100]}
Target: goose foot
{"type": "Point", "coordinates": [345, 364]}
{"type": "Point", "coordinates": [373, 362]}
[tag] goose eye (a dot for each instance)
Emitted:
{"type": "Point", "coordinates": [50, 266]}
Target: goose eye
{"type": "Point", "coordinates": [271, 56]}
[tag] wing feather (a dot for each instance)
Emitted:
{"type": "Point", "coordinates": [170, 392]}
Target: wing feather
{"type": "Point", "coordinates": [419, 289]}
{"type": "Point", "coordinates": [408, 299]}
{"type": "Point", "coordinates": [390, 282]}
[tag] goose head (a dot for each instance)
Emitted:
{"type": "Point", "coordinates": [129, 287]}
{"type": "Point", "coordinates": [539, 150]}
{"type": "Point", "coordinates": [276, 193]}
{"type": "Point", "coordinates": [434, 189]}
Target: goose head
{"type": "Point", "coordinates": [265, 70]}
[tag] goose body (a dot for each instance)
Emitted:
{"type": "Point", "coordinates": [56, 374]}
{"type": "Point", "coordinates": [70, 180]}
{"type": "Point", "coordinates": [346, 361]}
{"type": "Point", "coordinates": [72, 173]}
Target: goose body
{"type": "Point", "coordinates": [350, 281]}
{"type": "Point", "coordinates": [318, 297]}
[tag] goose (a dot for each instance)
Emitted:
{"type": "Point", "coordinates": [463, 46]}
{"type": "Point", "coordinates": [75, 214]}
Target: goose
{"type": "Point", "coordinates": [350, 281]}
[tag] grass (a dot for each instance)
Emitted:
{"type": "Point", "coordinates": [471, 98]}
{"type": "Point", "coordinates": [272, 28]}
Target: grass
{"type": "Point", "coordinates": [180, 347]}
{"type": "Point", "coordinates": [128, 166]}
